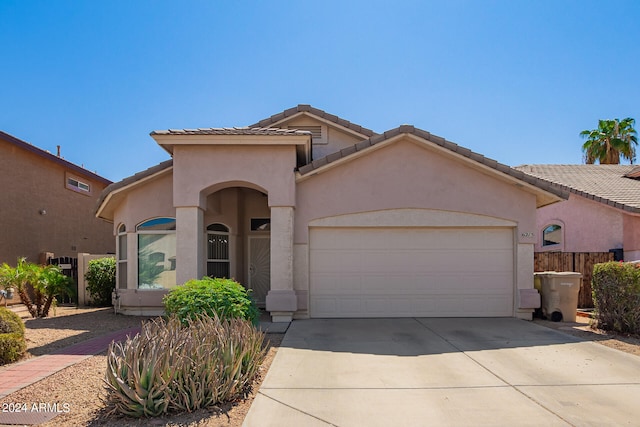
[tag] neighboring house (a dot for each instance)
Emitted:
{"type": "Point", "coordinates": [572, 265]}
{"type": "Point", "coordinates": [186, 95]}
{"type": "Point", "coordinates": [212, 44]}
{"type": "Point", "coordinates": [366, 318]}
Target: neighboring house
{"type": "Point", "coordinates": [47, 205]}
{"type": "Point", "coordinates": [601, 214]}
{"type": "Point", "coordinates": [324, 218]}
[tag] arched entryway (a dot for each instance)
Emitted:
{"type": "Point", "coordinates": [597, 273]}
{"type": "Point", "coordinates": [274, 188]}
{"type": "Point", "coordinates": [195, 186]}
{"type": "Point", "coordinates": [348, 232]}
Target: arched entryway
{"type": "Point", "coordinates": [237, 224]}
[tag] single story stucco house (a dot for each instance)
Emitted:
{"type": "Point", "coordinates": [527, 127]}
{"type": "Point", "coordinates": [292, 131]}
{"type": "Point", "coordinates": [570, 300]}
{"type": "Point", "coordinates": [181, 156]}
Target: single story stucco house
{"type": "Point", "coordinates": [321, 217]}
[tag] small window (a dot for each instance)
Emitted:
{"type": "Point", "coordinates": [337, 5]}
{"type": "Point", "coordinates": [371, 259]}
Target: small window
{"type": "Point", "coordinates": [121, 265]}
{"type": "Point", "coordinates": [77, 185]}
{"type": "Point", "coordinates": [218, 251]}
{"type": "Point", "coordinates": [218, 227]}
{"type": "Point", "coordinates": [260, 224]}
{"type": "Point", "coordinates": [158, 224]}
{"type": "Point", "coordinates": [552, 235]}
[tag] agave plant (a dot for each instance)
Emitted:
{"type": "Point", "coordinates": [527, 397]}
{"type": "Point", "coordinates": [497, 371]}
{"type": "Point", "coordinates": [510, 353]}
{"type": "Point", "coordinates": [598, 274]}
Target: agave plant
{"type": "Point", "coordinates": [173, 367]}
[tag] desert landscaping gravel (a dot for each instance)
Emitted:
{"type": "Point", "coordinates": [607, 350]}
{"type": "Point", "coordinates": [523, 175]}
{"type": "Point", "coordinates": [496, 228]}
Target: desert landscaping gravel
{"type": "Point", "coordinates": [81, 386]}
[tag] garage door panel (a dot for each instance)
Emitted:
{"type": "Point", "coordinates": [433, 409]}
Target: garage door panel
{"type": "Point", "coordinates": [380, 272]}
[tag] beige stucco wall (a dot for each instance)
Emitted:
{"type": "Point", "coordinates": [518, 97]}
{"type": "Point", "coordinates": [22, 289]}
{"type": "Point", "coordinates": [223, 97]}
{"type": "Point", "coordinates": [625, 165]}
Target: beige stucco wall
{"type": "Point", "coordinates": [588, 226]}
{"type": "Point", "coordinates": [408, 184]}
{"type": "Point", "coordinates": [202, 170]}
{"type": "Point", "coordinates": [30, 183]}
{"type": "Point", "coordinates": [405, 174]}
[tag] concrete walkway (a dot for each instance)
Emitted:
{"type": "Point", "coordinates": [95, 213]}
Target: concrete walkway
{"type": "Point", "coordinates": [444, 372]}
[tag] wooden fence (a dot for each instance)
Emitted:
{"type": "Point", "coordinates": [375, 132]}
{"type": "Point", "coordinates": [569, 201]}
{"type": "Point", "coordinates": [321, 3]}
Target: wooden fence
{"type": "Point", "coordinates": [580, 262]}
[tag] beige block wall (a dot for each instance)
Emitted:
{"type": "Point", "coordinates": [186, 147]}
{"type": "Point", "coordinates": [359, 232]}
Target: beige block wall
{"type": "Point", "coordinates": [30, 184]}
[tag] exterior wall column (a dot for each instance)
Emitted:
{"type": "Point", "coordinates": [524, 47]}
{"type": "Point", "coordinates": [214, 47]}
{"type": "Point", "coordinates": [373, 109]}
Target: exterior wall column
{"type": "Point", "coordinates": [524, 280]}
{"type": "Point", "coordinates": [189, 243]}
{"type": "Point", "coordinates": [281, 299]}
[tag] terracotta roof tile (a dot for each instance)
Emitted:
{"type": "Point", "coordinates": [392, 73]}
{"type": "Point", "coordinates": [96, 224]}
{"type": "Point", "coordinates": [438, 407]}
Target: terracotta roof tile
{"type": "Point", "coordinates": [232, 131]}
{"type": "Point", "coordinates": [409, 129]}
{"type": "Point", "coordinates": [603, 183]}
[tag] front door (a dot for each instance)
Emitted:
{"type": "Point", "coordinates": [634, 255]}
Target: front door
{"type": "Point", "coordinates": [259, 267]}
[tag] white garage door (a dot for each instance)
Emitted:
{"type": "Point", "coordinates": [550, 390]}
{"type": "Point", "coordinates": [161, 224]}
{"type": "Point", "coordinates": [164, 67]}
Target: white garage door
{"type": "Point", "coordinates": [406, 272]}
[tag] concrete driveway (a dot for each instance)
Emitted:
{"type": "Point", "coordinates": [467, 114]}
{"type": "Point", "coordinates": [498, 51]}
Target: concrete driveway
{"type": "Point", "coordinates": [444, 372]}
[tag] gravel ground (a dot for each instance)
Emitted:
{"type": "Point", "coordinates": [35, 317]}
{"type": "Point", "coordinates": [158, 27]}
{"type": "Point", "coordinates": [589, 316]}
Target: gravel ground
{"type": "Point", "coordinates": [81, 386]}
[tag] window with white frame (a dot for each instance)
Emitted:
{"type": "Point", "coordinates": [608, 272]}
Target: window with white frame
{"type": "Point", "coordinates": [157, 253]}
{"type": "Point", "coordinates": [76, 184]}
{"type": "Point", "coordinates": [552, 235]}
{"type": "Point", "coordinates": [121, 265]}
{"type": "Point", "coordinates": [218, 251]}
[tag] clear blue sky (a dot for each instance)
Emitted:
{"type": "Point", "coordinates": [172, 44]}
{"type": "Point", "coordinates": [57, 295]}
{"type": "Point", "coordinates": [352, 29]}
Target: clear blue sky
{"type": "Point", "coordinates": [514, 80]}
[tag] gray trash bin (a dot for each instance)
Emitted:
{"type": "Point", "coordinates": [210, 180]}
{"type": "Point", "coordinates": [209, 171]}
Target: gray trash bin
{"type": "Point", "coordinates": [559, 294]}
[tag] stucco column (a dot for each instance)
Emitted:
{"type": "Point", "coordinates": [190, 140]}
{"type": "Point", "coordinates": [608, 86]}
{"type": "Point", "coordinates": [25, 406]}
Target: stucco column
{"type": "Point", "coordinates": [281, 298]}
{"type": "Point", "coordinates": [189, 244]}
{"type": "Point", "coordinates": [524, 279]}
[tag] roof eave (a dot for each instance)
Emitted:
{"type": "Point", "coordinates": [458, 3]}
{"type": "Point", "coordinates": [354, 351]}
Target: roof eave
{"type": "Point", "coordinates": [111, 194]}
{"type": "Point", "coordinates": [545, 193]}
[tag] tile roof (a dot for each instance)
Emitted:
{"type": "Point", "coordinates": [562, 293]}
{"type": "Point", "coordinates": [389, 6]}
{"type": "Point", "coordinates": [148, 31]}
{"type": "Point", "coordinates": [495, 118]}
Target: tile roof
{"type": "Point", "coordinates": [232, 131]}
{"type": "Point", "coordinates": [603, 183]}
{"type": "Point", "coordinates": [305, 108]}
{"type": "Point", "coordinates": [138, 177]}
{"type": "Point", "coordinates": [465, 152]}
{"type": "Point", "coordinates": [47, 155]}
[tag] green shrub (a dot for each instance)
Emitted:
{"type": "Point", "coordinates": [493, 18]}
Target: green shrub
{"type": "Point", "coordinates": [10, 322]}
{"type": "Point", "coordinates": [224, 298]}
{"type": "Point", "coordinates": [101, 280]}
{"type": "Point", "coordinates": [38, 286]}
{"type": "Point", "coordinates": [169, 367]}
{"type": "Point", "coordinates": [616, 296]}
{"type": "Point", "coordinates": [12, 347]}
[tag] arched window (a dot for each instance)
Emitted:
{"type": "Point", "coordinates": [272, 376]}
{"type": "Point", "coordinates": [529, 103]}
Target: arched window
{"type": "Point", "coordinates": [552, 235]}
{"type": "Point", "coordinates": [218, 250]}
{"type": "Point", "coordinates": [121, 266]}
{"type": "Point", "coordinates": [157, 253]}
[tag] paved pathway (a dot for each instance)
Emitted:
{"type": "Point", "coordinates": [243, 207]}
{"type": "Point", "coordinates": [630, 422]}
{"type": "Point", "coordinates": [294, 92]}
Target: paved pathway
{"type": "Point", "coordinates": [22, 374]}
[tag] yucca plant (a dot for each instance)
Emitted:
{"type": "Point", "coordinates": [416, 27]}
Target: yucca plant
{"type": "Point", "coordinates": [171, 367]}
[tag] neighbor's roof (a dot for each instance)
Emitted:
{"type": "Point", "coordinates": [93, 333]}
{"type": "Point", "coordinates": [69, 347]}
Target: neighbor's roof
{"type": "Point", "coordinates": [305, 108]}
{"type": "Point", "coordinates": [613, 185]}
{"type": "Point", "coordinates": [47, 155]}
{"type": "Point", "coordinates": [232, 131]}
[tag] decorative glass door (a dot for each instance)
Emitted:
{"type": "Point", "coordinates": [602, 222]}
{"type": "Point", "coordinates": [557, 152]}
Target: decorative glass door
{"type": "Point", "coordinates": [259, 267]}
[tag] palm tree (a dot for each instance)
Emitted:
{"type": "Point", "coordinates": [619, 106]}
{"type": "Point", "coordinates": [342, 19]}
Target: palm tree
{"type": "Point", "coordinates": [612, 139]}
